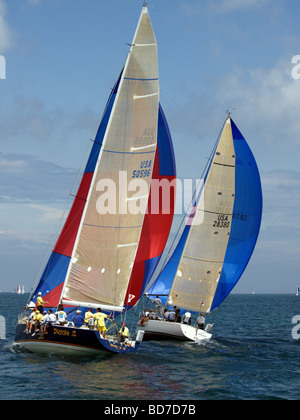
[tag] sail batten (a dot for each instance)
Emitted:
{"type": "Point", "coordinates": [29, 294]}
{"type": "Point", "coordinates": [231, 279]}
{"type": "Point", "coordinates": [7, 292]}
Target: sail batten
{"type": "Point", "coordinates": [129, 153]}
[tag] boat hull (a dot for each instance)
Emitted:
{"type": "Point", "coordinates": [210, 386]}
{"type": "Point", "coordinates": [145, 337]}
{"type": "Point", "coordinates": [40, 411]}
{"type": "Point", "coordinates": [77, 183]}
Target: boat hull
{"type": "Point", "coordinates": [165, 330]}
{"type": "Point", "coordinates": [70, 341]}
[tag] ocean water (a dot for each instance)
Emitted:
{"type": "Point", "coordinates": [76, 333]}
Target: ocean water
{"type": "Point", "coordinates": [252, 355]}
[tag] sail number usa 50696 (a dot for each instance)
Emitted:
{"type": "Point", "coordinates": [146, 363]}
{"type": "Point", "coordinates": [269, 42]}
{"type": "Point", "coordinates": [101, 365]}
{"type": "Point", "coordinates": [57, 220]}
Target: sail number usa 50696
{"type": "Point", "coordinates": [144, 171]}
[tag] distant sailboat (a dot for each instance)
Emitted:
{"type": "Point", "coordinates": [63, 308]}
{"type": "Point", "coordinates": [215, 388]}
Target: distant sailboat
{"type": "Point", "coordinates": [20, 290]}
{"type": "Point", "coordinates": [106, 260]}
{"type": "Point", "coordinates": [298, 291]}
{"type": "Point", "coordinates": [217, 242]}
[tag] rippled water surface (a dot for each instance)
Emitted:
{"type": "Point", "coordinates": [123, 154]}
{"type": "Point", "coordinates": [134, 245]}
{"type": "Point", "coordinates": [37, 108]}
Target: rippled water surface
{"type": "Point", "coordinates": [252, 356]}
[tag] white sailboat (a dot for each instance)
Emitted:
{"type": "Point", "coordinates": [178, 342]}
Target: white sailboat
{"type": "Point", "coordinates": [217, 242]}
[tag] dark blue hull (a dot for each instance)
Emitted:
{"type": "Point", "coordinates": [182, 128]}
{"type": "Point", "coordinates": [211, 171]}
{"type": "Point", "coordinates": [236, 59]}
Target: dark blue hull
{"type": "Point", "coordinates": [71, 341]}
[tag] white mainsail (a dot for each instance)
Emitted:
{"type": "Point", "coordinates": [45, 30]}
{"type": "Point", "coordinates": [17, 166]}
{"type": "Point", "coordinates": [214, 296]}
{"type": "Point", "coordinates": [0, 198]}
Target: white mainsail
{"type": "Point", "coordinates": [202, 260]}
{"type": "Point", "coordinates": [106, 244]}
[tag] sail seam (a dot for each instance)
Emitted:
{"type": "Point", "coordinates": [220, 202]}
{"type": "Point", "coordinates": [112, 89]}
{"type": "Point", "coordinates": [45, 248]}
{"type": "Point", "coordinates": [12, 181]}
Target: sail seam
{"type": "Point", "coordinates": [200, 259]}
{"type": "Point", "coordinates": [144, 45]}
{"type": "Point", "coordinates": [214, 212]}
{"type": "Point", "coordinates": [223, 164]}
{"type": "Point", "coordinates": [141, 80]}
{"type": "Point", "coordinates": [128, 153]}
{"type": "Point", "coordinates": [112, 227]}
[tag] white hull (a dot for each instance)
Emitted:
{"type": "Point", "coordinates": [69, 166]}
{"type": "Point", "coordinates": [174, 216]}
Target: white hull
{"type": "Point", "coordinates": [163, 330]}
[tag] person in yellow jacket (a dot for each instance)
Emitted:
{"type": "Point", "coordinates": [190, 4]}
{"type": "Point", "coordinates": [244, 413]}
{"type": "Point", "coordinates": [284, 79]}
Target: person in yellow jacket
{"type": "Point", "coordinates": [40, 303]}
{"type": "Point", "coordinates": [100, 321]}
{"type": "Point", "coordinates": [36, 321]}
{"type": "Point", "coordinates": [89, 316]}
{"type": "Point", "coordinates": [123, 333]}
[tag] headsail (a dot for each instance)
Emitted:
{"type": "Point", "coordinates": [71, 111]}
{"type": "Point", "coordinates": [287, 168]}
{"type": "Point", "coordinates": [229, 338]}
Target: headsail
{"type": "Point", "coordinates": [107, 259]}
{"type": "Point", "coordinates": [220, 237]}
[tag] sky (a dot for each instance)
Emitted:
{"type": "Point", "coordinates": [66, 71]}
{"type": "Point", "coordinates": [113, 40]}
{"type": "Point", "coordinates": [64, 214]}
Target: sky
{"type": "Point", "coordinates": [62, 57]}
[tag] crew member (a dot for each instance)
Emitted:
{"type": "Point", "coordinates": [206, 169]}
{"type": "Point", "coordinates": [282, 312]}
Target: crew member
{"type": "Point", "coordinates": [100, 321]}
{"type": "Point", "coordinates": [123, 333]}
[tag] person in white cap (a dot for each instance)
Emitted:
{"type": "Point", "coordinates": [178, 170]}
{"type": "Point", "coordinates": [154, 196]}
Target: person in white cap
{"type": "Point", "coordinates": [78, 319]}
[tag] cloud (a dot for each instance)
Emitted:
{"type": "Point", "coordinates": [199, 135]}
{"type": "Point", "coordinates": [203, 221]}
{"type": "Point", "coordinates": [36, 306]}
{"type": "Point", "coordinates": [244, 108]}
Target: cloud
{"type": "Point", "coordinates": [281, 191]}
{"type": "Point", "coordinates": [21, 257]}
{"type": "Point", "coordinates": [23, 239]}
{"type": "Point", "coordinates": [44, 129]}
{"type": "Point", "coordinates": [26, 178]}
{"type": "Point", "coordinates": [48, 213]}
{"type": "Point", "coordinates": [6, 33]}
{"type": "Point", "coordinates": [226, 6]}
{"type": "Point", "coordinates": [33, 195]}
{"type": "Point", "coordinates": [222, 6]}
{"type": "Point", "coordinates": [34, 119]}
{"type": "Point", "coordinates": [269, 97]}
{"type": "Point", "coordinates": [267, 102]}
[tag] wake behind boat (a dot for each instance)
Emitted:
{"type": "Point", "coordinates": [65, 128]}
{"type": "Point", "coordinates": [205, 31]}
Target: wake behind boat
{"type": "Point", "coordinates": [218, 240]}
{"type": "Point", "coordinates": [112, 242]}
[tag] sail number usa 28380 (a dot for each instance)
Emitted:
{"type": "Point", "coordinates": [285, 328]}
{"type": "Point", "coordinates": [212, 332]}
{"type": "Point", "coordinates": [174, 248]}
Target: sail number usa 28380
{"type": "Point", "coordinates": [223, 221]}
